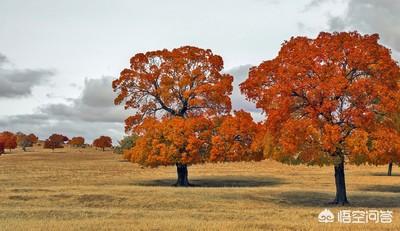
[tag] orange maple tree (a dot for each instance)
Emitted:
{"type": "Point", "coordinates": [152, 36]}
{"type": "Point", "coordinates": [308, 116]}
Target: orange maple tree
{"type": "Point", "coordinates": [172, 87]}
{"type": "Point", "coordinates": [55, 141]}
{"type": "Point", "coordinates": [78, 141]}
{"type": "Point", "coordinates": [103, 142]}
{"type": "Point", "coordinates": [9, 140]}
{"type": "Point", "coordinates": [328, 100]}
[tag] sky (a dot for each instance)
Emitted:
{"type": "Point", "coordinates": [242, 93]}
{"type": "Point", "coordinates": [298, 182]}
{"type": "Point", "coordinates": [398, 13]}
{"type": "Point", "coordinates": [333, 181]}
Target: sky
{"type": "Point", "coordinates": [58, 58]}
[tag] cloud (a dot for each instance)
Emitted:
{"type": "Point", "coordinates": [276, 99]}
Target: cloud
{"type": "Point", "coordinates": [371, 16]}
{"type": "Point", "coordinates": [95, 104]}
{"type": "Point", "coordinates": [19, 82]}
{"type": "Point", "coordinates": [90, 115]}
{"type": "Point", "coordinates": [3, 59]}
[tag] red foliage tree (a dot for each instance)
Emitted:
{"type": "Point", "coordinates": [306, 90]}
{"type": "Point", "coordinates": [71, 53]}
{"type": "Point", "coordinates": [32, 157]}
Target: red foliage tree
{"type": "Point", "coordinates": [55, 141]}
{"type": "Point", "coordinates": [103, 142]}
{"type": "Point", "coordinates": [327, 100]}
{"type": "Point", "coordinates": [186, 82]}
{"type": "Point", "coordinates": [78, 141]}
{"type": "Point", "coordinates": [9, 140]}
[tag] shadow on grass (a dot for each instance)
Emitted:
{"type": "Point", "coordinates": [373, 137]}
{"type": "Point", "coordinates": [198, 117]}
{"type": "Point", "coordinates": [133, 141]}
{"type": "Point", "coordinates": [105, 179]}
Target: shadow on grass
{"type": "Point", "coordinates": [217, 182]}
{"type": "Point", "coordinates": [318, 199]}
{"type": "Point", "coordinates": [384, 174]}
{"type": "Point", "coordinates": [383, 188]}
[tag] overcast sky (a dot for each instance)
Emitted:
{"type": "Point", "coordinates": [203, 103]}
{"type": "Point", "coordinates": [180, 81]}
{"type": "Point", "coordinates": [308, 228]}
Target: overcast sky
{"type": "Point", "coordinates": [58, 58]}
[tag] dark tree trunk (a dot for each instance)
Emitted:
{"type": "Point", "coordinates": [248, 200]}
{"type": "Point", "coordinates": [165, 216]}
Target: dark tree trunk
{"type": "Point", "coordinates": [182, 172]}
{"type": "Point", "coordinates": [390, 168]}
{"type": "Point", "coordinates": [341, 197]}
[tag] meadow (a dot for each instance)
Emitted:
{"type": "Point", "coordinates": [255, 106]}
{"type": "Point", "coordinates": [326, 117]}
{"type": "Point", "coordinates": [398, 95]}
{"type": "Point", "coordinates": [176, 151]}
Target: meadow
{"type": "Point", "coordinates": [86, 189]}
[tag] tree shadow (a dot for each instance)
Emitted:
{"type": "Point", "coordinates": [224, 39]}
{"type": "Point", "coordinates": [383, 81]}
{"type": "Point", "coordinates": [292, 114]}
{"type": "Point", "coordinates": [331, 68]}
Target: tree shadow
{"type": "Point", "coordinates": [217, 182]}
{"type": "Point", "coordinates": [383, 188]}
{"type": "Point", "coordinates": [384, 174]}
{"type": "Point", "coordinates": [318, 199]}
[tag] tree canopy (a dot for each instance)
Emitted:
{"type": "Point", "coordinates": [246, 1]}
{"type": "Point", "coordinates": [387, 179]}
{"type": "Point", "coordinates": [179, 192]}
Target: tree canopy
{"type": "Point", "coordinates": [8, 139]}
{"type": "Point", "coordinates": [77, 141]}
{"type": "Point", "coordinates": [328, 96]}
{"type": "Point", "coordinates": [55, 141]}
{"type": "Point", "coordinates": [184, 82]}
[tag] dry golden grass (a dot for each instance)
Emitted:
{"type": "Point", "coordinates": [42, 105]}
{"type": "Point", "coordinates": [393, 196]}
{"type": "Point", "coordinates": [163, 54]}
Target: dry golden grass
{"type": "Point", "coordinates": [74, 189]}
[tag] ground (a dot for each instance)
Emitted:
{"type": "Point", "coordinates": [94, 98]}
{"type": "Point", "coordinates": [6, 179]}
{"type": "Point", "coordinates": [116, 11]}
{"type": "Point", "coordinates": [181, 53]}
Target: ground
{"type": "Point", "coordinates": [87, 189]}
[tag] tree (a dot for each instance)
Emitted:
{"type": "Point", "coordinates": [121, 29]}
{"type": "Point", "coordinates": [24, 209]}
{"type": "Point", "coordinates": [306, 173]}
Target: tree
{"type": "Point", "coordinates": [327, 100]}
{"type": "Point", "coordinates": [9, 140]}
{"type": "Point", "coordinates": [55, 141]}
{"type": "Point", "coordinates": [125, 144]}
{"type": "Point", "coordinates": [103, 142]}
{"type": "Point", "coordinates": [186, 82]}
{"type": "Point", "coordinates": [24, 141]}
{"type": "Point", "coordinates": [33, 138]}
{"type": "Point", "coordinates": [78, 141]}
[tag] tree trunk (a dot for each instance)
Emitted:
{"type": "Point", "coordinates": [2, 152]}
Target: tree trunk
{"type": "Point", "coordinates": [341, 197]}
{"type": "Point", "coordinates": [182, 172]}
{"type": "Point", "coordinates": [390, 168]}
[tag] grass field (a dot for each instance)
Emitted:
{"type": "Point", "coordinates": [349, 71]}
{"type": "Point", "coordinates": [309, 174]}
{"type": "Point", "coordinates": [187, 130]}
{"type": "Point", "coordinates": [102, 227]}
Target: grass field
{"type": "Point", "coordinates": [74, 189]}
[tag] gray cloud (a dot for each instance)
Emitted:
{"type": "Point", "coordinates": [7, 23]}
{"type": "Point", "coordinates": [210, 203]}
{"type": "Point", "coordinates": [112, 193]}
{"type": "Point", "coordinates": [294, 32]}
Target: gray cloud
{"type": "Point", "coordinates": [98, 92]}
{"type": "Point", "coordinates": [91, 114]}
{"type": "Point", "coordinates": [18, 83]}
{"type": "Point", "coordinates": [3, 59]}
{"type": "Point", "coordinates": [94, 104]}
{"type": "Point", "coordinates": [371, 16]}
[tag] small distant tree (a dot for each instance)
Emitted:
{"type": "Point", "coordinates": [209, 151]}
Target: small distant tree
{"type": "Point", "coordinates": [9, 140]}
{"type": "Point", "coordinates": [125, 144]}
{"type": "Point", "coordinates": [103, 142]}
{"type": "Point", "coordinates": [77, 141]}
{"type": "Point", "coordinates": [23, 141]}
{"type": "Point", "coordinates": [33, 138]}
{"type": "Point", "coordinates": [55, 141]}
